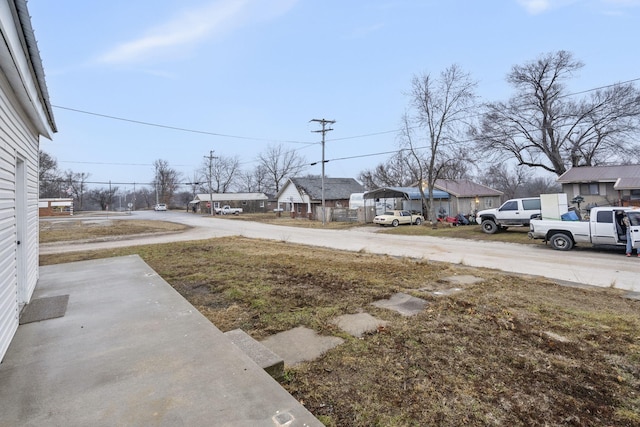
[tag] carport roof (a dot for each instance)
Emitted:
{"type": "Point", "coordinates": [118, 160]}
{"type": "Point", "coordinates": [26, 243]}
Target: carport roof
{"type": "Point", "coordinates": [408, 193]}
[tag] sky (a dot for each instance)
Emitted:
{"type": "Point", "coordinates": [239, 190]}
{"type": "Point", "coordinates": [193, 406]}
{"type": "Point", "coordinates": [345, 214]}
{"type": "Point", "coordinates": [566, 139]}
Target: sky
{"type": "Point", "coordinates": [132, 82]}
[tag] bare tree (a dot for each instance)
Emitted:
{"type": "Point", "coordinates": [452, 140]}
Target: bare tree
{"type": "Point", "coordinates": [76, 186]}
{"type": "Point", "coordinates": [221, 172]}
{"type": "Point", "coordinates": [49, 176]}
{"type": "Point", "coordinates": [541, 128]}
{"type": "Point", "coordinates": [165, 182]}
{"type": "Point", "coordinates": [280, 163]}
{"type": "Point", "coordinates": [103, 196]}
{"type": "Point", "coordinates": [441, 108]}
{"type": "Point", "coordinates": [256, 181]}
{"type": "Point", "coordinates": [510, 181]}
{"type": "Point", "coordinates": [395, 172]}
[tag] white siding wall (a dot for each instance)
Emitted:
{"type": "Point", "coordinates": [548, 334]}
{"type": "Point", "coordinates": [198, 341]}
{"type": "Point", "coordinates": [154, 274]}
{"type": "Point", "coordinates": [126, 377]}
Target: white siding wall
{"type": "Point", "coordinates": [290, 194]}
{"type": "Point", "coordinates": [18, 140]}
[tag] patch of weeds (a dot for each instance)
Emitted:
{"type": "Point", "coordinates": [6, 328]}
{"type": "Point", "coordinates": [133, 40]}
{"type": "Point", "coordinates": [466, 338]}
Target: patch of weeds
{"type": "Point", "coordinates": [484, 356]}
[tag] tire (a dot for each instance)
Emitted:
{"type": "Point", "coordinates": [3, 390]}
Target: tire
{"type": "Point", "coordinates": [395, 223]}
{"type": "Point", "coordinates": [489, 227]}
{"type": "Point", "coordinates": [418, 221]}
{"type": "Point", "coordinates": [561, 242]}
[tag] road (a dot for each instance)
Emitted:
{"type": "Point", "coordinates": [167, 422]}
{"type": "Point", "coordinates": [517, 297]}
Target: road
{"type": "Point", "coordinates": [586, 267]}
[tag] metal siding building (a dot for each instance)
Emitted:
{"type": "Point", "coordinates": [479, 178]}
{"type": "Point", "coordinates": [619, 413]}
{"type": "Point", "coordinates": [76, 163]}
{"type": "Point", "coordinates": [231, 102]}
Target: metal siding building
{"type": "Point", "coordinates": [25, 115]}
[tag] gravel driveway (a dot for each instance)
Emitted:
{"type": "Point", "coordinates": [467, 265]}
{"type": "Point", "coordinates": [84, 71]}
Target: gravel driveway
{"type": "Point", "coordinates": [597, 268]}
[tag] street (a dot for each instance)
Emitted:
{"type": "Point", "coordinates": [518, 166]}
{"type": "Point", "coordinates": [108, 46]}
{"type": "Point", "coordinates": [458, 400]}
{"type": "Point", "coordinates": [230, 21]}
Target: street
{"type": "Point", "coordinates": [585, 267]}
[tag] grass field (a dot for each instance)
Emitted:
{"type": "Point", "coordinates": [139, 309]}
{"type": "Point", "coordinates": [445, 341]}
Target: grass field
{"type": "Point", "coordinates": [509, 351]}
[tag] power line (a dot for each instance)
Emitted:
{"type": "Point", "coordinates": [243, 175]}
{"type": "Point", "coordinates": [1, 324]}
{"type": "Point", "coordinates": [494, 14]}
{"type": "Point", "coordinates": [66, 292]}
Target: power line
{"type": "Point", "coordinates": [180, 129]}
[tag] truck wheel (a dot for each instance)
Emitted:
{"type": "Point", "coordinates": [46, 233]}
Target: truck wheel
{"type": "Point", "coordinates": [561, 242]}
{"type": "Point", "coordinates": [395, 223]}
{"type": "Point", "coordinates": [418, 221]}
{"type": "Point", "coordinates": [489, 227]}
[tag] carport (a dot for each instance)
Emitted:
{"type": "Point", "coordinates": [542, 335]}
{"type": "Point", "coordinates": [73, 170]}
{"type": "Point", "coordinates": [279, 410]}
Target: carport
{"type": "Point", "coordinates": [405, 193]}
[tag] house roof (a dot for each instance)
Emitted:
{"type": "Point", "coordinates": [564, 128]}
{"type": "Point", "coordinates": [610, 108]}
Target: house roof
{"type": "Point", "coordinates": [409, 193]}
{"type": "Point", "coordinates": [465, 188]}
{"type": "Point", "coordinates": [334, 188]}
{"type": "Point", "coordinates": [627, 184]}
{"type": "Point", "coordinates": [600, 174]}
{"type": "Point", "coordinates": [223, 197]}
{"type": "Point", "coordinates": [35, 69]}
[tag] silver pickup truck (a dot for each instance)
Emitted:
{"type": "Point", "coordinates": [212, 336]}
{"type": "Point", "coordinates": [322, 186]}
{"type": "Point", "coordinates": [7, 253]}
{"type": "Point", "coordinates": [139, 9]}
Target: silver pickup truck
{"type": "Point", "coordinates": [602, 228]}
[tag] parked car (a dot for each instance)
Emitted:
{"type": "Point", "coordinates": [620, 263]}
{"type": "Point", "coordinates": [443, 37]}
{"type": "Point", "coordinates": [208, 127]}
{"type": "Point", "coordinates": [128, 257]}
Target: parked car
{"type": "Point", "coordinates": [228, 210]}
{"type": "Point", "coordinates": [160, 207]}
{"type": "Point", "coordinates": [395, 218]}
{"type": "Point", "coordinates": [512, 213]}
{"type": "Point", "coordinates": [601, 229]}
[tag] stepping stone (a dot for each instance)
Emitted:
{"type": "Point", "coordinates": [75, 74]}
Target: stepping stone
{"type": "Point", "coordinates": [403, 304]}
{"type": "Point", "coordinates": [462, 280]}
{"type": "Point", "coordinates": [358, 324]}
{"type": "Point", "coordinates": [265, 358]}
{"type": "Point", "coordinates": [300, 345]}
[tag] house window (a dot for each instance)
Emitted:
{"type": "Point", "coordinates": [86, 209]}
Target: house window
{"type": "Point", "coordinates": [635, 194]}
{"type": "Point", "coordinates": [244, 203]}
{"type": "Point", "coordinates": [590, 188]}
{"type": "Point", "coordinates": [262, 203]}
{"type": "Point", "coordinates": [488, 203]}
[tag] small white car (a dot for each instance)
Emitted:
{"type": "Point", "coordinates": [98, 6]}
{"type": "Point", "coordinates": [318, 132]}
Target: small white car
{"type": "Point", "coordinates": [395, 218]}
{"type": "Point", "coordinates": [160, 207]}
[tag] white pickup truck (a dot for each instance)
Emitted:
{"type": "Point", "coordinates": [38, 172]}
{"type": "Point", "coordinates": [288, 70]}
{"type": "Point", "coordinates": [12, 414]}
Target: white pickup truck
{"type": "Point", "coordinates": [602, 228]}
{"type": "Point", "coordinates": [228, 210]}
{"type": "Point", "coordinates": [512, 213]}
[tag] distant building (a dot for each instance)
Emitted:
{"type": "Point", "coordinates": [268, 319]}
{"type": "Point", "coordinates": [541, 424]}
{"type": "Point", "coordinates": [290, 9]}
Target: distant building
{"type": "Point", "coordinates": [603, 185]}
{"type": "Point", "coordinates": [55, 207]}
{"type": "Point", "coordinates": [249, 202]}
{"type": "Point", "coordinates": [467, 196]}
{"type": "Point", "coordinates": [302, 197]}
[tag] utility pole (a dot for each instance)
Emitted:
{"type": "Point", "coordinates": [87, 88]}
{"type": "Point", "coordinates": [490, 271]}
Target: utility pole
{"type": "Point", "coordinates": [324, 130]}
{"type": "Point", "coordinates": [210, 157]}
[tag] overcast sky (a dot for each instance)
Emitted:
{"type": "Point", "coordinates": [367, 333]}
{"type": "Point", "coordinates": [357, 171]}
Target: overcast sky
{"type": "Point", "coordinates": [136, 81]}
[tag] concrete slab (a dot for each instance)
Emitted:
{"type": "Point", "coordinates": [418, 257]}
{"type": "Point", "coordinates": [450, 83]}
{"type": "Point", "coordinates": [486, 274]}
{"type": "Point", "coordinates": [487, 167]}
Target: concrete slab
{"type": "Point", "coordinates": [265, 358]}
{"type": "Point", "coordinates": [300, 345]}
{"type": "Point", "coordinates": [402, 303]}
{"type": "Point", "coordinates": [130, 351]}
{"type": "Point", "coordinates": [358, 324]}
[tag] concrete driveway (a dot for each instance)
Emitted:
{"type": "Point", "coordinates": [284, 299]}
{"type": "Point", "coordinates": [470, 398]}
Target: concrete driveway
{"type": "Point", "coordinates": [586, 267]}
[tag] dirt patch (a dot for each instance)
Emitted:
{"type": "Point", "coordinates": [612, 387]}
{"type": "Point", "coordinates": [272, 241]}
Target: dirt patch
{"type": "Point", "coordinates": [52, 231]}
{"type": "Point", "coordinates": [505, 351]}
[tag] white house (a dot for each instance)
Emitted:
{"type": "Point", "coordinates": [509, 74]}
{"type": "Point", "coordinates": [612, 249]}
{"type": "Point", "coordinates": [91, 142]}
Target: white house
{"type": "Point", "coordinates": [25, 114]}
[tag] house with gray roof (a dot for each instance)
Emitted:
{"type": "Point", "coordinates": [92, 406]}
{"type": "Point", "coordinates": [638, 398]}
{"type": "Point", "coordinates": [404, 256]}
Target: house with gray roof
{"type": "Point", "coordinates": [603, 185]}
{"type": "Point", "coordinates": [302, 197]}
{"type": "Point", "coordinates": [249, 202]}
{"type": "Point", "coordinates": [467, 196]}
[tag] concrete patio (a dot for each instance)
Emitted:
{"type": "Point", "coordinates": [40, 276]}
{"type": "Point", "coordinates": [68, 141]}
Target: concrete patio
{"type": "Point", "coordinates": [130, 351]}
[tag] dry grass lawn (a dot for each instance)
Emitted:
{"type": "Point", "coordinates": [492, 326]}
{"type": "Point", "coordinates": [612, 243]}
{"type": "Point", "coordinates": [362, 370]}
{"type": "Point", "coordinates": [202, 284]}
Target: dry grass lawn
{"type": "Point", "coordinates": [509, 351]}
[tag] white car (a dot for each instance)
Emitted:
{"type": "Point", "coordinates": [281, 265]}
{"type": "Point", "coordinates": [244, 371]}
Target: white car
{"type": "Point", "coordinates": [160, 207]}
{"type": "Point", "coordinates": [395, 218]}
